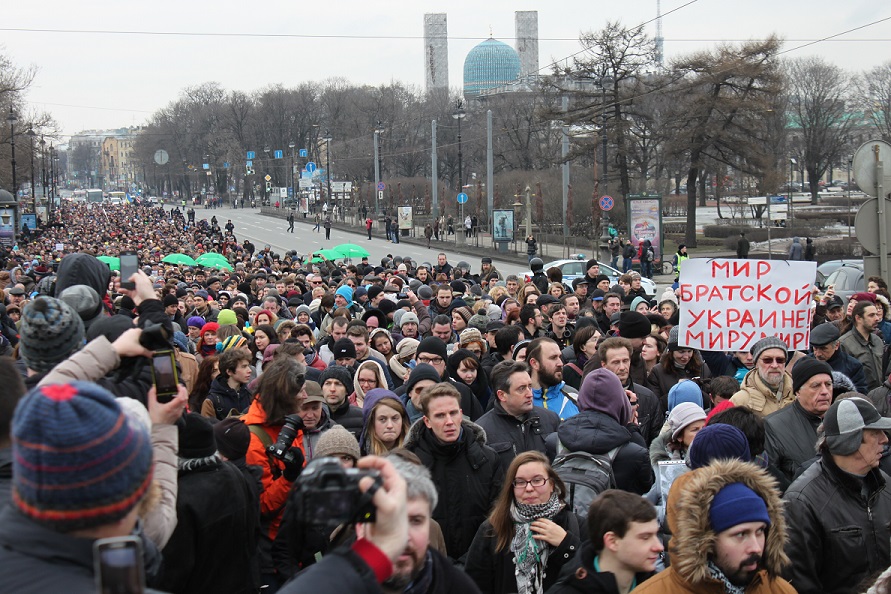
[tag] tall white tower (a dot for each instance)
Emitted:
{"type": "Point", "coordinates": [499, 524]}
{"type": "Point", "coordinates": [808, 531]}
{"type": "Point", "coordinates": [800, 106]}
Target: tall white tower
{"type": "Point", "coordinates": [436, 51]}
{"type": "Point", "coordinates": [527, 41]}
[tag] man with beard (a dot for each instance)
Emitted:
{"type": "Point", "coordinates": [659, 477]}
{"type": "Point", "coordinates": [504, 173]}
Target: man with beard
{"type": "Point", "coordinates": [635, 327]}
{"type": "Point", "coordinates": [767, 387]}
{"type": "Point", "coordinates": [863, 344]}
{"type": "Point", "coordinates": [549, 391]}
{"type": "Point", "coordinates": [730, 534]}
{"type": "Point", "coordinates": [615, 355]}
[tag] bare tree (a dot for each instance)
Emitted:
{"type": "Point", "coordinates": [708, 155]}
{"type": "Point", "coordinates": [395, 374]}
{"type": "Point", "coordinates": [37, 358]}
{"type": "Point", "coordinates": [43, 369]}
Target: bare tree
{"type": "Point", "coordinates": [820, 122]}
{"type": "Point", "coordinates": [873, 97]}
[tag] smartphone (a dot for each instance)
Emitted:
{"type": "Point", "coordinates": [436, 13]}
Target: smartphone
{"type": "Point", "coordinates": [164, 375]}
{"type": "Point", "coordinates": [118, 565]}
{"type": "Point", "coordinates": [129, 267]}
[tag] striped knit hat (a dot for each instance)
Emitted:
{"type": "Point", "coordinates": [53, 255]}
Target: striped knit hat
{"type": "Point", "coordinates": [78, 462]}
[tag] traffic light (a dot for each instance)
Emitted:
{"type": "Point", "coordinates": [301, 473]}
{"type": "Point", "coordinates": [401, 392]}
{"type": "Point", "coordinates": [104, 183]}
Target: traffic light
{"type": "Point", "coordinates": [268, 186]}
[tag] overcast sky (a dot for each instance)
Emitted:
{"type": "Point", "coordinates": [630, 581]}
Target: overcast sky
{"type": "Point", "coordinates": [88, 79]}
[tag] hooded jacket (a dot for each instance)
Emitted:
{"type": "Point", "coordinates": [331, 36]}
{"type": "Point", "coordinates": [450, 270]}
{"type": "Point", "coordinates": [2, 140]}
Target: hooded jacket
{"type": "Point", "coordinates": [357, 398]}
{"type": "Point", "coordinates": [468, 475]}
{"type": "Point", "coordinates": [560, 398]}
{"type": "Point", "coordinates": [221, 399]}
{"type": "Point", "coordinates": [756, 395]}
{"type": "Point", "coordinates": [838, 528]}
{"type": "Point", "coordinates": [84, 269]}
{"type": "Point", "coordinates": [694, 540]}
{"type": "Point", "coordinates": [375, 396]}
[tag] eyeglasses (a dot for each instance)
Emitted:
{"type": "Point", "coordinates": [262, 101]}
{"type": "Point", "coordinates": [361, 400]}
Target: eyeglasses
{"type": "Point", "coordinates": [537, 482]}
{"type": "Point", "coordinates": [430, 360]}
{"type": "Point", "coordinates": [772, 360]}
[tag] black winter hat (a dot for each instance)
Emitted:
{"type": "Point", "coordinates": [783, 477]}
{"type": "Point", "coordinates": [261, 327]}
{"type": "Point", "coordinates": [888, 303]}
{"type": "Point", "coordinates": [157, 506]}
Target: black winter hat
{"type": "Point", "coordinates": [196, 437]}
{"type": "Point", "coordinates": [339, 373]}
{"type": "Point", "coordinates": [807, 368]}
{"type": "Point", "coordinates": [434, 346]}
{"type": "Point", "coordinates": [343, 348]}
{"type": "Point", "coordinates": [634, 325]}
{"type": "Point", "coordinates": [422, 371]}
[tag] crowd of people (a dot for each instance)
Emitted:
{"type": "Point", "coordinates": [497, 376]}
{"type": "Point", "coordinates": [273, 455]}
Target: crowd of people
{"type": "Point", "coordinates": [531, 435]}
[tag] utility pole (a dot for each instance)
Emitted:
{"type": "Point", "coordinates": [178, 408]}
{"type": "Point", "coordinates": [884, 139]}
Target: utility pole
{"type": "Point", "coordinates": [434, 173]}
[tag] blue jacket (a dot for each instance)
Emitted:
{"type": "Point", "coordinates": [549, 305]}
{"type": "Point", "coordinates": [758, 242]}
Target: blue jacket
{"type": "Point", "coordinates": [560, 399]}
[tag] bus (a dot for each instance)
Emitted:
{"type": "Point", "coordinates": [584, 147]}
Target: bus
{"type": "Point", "coordinates": [117, 197]}
{"type": "Point", "coordinates": [94, 196]}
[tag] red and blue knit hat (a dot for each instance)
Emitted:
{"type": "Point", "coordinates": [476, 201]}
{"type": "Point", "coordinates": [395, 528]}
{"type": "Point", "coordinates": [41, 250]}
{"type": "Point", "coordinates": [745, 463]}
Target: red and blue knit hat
{"type": "Point", "coordinates": [78, 462]}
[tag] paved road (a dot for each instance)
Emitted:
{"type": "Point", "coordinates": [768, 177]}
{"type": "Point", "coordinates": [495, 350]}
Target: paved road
{"type": "Point", "coordinates": [262, 230]}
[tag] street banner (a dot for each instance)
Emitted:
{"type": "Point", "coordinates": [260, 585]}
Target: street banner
{"type": "Point", "coordinates": [404, 214]}
{"type": "Point", "coordinates": [503, 229]}
{"type": "Point", "coordinates": [729, 305]}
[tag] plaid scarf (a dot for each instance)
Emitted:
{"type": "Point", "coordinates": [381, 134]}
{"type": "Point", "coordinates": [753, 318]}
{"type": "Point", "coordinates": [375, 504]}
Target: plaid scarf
{"type": "Point", "coordinates": [531, 555]}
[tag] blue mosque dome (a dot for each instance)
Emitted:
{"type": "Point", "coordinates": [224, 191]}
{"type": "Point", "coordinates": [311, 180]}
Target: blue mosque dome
{"type": "Point", "coordinates": [490, 64]}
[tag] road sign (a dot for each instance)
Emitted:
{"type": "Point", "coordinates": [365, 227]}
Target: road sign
{"type": "Point", "coordinates": [290, 191]}
{"type": "Point", "coordinates": [303, 153]}
{"type": "Point", "coordinates": [278, 154]}
{"type": "Point", "coordinates": [251, 155]}
{"type": "Point", "coordinates": [607, 203]}
{"type": "Point", "coordinates": [206, 165]}
{"type": "Point", "coordinates": [864, 166]}
{"type": "Point", "coordinates": [310, 166]}
{"type": "Point", "coordinates": [380, 195]}
{"type": "Point", "coordinates": [226, 165]}
{"type": "Point", "coordinates": [381, 186]}
{"type": "Point", "coordinates": [161, 157]}
{"type": "Point", "coordinates": [268, 177]}
{"type": "Point", "coordinates": [462, 198]}
{"type": "Point", "coordinates": [249, 164]}
{"type": "Point", "coordinates": [304, 183]}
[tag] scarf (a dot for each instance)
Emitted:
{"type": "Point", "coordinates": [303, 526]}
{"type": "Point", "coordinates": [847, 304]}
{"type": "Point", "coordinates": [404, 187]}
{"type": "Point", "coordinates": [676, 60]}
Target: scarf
{"type": "Point", "coordinates": [531, 555]}
{"type": "Point", "coordinates": [716, 574]}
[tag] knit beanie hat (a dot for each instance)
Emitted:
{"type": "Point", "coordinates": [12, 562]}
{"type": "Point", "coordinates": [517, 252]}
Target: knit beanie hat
{"type": "Point", "coordinates": [673, 339]}
{"type": "Point", "coordinates": [232, 437]}
{"type": "Point", "coordinates": [634, 325]}
{"type": "Point", "coordinates": [637, 301]}
{"type": "Point", "coordinates": [464, 312]}
{"type": "Point", "coordinates": [84, 300]}
{"type": "Point", "coordinates": [718, 442]}
{"type": "Point", "coordinates": [346, 292]}
{"type": "Point", "coordinates": [409, 317]}
{"type": "Point", "coordinates": [78, 462]}
{"type": "Point", "coordinates": [479, 321]}
{"type": "Point", "coordinates": [50, 332]}
{"type": "Point", "coordinates": [373, 291]}
{"type": "Point", "coordinates": [736, 504]}
{"type": "Point", "coordinates": [769, 342]}
{"type": "Point", "coordinates": [231, 343]}
{"type": "Point", "coordinates": [469, 335]}
{"type": "Point", "coordinates": [684, 391]}
{"type": "Point", "coordinates": [343, 348]}
{"type": "Point", "coordinates": [196, 437]}
{"type": "Point", "coordinates": [302, 309]}
{"type": "Point", "coordinates": [210, 327]}
{"type": "Point", "coordinates": [807, 368]}
{"type": "Point", "coordinates": [434, 346]}
{"type": "Point", "coordinates": [227, 316]}
{"type": "Point", "coordinates": [169, 300]}
{"type": "Point", "coordinates": [844, 422]}
{"type": "Point", "coordinates": [590, 263]}
{"type": "Point", "coordinates": [339, 373]}
{"type": "Point", "coordinates": [602, 391]}
{"type": "Point", "coordinates": [337, 441]}
{"type": "Point", "coordinates": [683, 415]}
{"type": "Point", "coordinates": [422, 371]}
{"type": "Point", "coordinates": [195, 322]}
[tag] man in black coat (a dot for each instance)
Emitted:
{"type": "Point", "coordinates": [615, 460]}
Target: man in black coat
{"type": "Point", "coordinates": [336, 382]}
{"type": "Point", "coordinates": [615, 354]}
{"type": "Point", "coordinates": [513, 425]}
{"type": "Point", "coordinates": [826, 346]}
{"type": "Point", "coordinates": [467, 473]}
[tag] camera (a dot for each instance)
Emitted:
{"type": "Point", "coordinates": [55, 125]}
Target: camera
{"type": "Point", "coordinates": [155, 337]}
{"type": "Point", "coordinates": [327, 494]}
{"type": "Point", "coordinates": [281, 449]}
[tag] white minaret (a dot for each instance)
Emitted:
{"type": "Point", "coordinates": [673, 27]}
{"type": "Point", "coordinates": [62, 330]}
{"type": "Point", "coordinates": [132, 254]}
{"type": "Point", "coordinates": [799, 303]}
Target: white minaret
{"type": "Point", "coordinates": [436, 51]}
{"type": "Point", "coordinates": [527, 41]}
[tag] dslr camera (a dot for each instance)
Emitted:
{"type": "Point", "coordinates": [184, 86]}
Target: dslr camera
{"type": "Point", "coordinates": [327, 494]}
{"type": "Point", "coordinates": [281, 449]}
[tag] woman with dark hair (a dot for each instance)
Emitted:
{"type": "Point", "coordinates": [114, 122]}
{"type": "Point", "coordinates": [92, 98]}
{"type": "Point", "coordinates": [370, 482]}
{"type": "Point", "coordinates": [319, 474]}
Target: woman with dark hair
{"type": "Point", "coordinates": [208, 370]}
{"type": "Point", "coordinates": [677, 363]}
{"type": "Point", "coordinates": [530, 533]}
{"type": "Point", "coordinates": [264, 335]}
{"type": "Point", "coordinates": [651, 351]}
{"type": "Point", "coordinates": [464, 367]}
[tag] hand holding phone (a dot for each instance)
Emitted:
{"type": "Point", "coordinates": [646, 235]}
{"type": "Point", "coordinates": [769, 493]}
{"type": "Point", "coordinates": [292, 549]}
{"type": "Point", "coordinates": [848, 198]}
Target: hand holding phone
{"type": "Point", "coordinates": [164, 375]}
{"type": "Point", "coordinates": [129, 267]}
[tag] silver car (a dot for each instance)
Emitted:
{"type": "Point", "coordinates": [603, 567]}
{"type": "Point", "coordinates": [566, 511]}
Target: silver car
{"type": "Point", "coordinates": [573, 269]}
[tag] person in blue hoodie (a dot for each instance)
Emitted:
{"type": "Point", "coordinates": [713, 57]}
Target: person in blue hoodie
{"type": "Point", "coordinates": [549, 391]}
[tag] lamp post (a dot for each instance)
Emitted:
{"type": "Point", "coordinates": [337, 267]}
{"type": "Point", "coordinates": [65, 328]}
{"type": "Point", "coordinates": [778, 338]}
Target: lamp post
{"type": "Point", "coordinates": [328, 161]}
{"type": "Point", "coordinates": [377, 163]}
{"type": "Point", "coordinates": [31, 135]}
{"type": "Point", "coordinates": [848, 192]}
{"type": "Point", "coordinates": [52, 175]}
{"type": "Point", "coordinates": [42, 144]}
{"type": "Point", "coordinates": [268, 168]}
{"type": "Point", "coordinates": [604, 224]}
{"type": "Point", "coordinates": [292, 145]}
{"type": "Point", "coordinates": [459, 114]}
{"type": "Point", "coordinates": [11, 118]}
{"type": "Point", "coordinates": [792, 163]}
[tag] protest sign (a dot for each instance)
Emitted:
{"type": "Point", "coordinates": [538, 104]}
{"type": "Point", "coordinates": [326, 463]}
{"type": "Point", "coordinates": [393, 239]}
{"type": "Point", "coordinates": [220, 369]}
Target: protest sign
{"type": "Point", "coordinates": [729, 305]}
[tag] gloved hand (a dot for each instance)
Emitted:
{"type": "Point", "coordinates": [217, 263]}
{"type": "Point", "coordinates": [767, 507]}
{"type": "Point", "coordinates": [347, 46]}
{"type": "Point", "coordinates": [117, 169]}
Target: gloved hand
{"type": "Point", "coordinates": [293, 464]}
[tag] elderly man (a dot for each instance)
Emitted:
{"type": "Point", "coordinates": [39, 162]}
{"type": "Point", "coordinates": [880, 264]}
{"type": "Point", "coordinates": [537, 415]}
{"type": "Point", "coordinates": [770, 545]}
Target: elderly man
{"type": "Point", "coordinates": [767, 388]}
{"type": "Point", "coordinates": [825, 344]}
{"type": "Point", "coordinates": [839, 509]}
{"type": "Point", "coordinates": [863, 344]}
{"type": "Point", "coordinates": [791, 432]}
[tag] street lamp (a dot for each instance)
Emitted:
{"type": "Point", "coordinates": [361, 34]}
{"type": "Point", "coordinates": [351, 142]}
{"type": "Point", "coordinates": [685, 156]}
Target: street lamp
{"type": "Point", "coordinates": [42, 144]}
{"type": "Point", "coordinates": [792, 163]}
{"type": "Point", "coordinates": [378, 130]}
{"type": "Point", "coordinates": [31, 135]}
{"type": "Point", "coordinates": [292, 145]}
{"type": "Point", "coordinates": [11, 118]}
{"type": "Point", "coordinates": [604, 225]}
{"type": "Point", "coordinates": [459, 114]}
{"type": "Point", "coordinates": [328, 161]}
{"type": "Point", "coordinates": [52, 175]}
{"type": "Point", "coordinates": [268, 168]}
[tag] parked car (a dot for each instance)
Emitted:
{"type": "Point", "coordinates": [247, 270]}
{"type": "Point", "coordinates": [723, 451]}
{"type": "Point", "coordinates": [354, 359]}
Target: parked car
{"type": "Point", "coordinates": [847, 279]}
{"type": "Point", "coordinates": [827, 268]}
{"type": "Point", "coordinates": [575, 268]}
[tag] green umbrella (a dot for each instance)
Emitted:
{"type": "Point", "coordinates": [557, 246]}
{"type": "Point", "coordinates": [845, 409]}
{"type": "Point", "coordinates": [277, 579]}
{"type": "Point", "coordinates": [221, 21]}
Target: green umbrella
{"type": "Point", "coordinates": [331, 254]}
{"type": "Point", "coordinates": [216, 264]}
{"type": "Point", "coordinates": [351, 250]}
{"type": "Point", "coordinates": [211, 259]}
{"type": "Point", "coordinates": [113, 263]}
{"type": "Point", "coordinates": [179, 259]}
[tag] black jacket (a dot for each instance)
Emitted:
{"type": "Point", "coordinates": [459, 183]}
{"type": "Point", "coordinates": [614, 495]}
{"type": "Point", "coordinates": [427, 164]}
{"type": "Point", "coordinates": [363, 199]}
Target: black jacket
{"type": "Point", "coordinates": [214, 545]}
{"type": "Point", "coordinates": [225, 399]}
{"type": "Point", "coordinates": [598, 433]}
{"type": "Point", "coordinates": [349, 417]}
{"type": "Point", "coordinates": [35, 559]}
{"type": "Point", "coordinates": [579, 576]}
{"type": "Point", "coordinates": [649, 412]}
{"type": "Point", "coordinates": [5, 476]}
{"type": "Point", "coordinates": [851, 367]}
{"type": "Point", "coordinates": [468, 475]}
{"type": "Point", "coordinates": [881, 398]}
{"type": "Point", "coordinates": [493, 570]}
{"type": "Point", "coordinates": [790, 437]}
{"type": "Point", "coordinates": [509, 435]}
{"type": "Point", "coordinates": [470, 404]}
{"type": "Point", "coordinates": [838, 533]}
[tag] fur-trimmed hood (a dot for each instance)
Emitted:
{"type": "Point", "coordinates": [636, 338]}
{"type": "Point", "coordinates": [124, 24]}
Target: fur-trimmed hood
{"type": "Point", "coordinates": [695, 539]}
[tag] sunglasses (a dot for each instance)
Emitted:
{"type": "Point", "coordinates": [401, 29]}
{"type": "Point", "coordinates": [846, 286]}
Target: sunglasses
{"type": "Point", "coordinates": [772, 360]}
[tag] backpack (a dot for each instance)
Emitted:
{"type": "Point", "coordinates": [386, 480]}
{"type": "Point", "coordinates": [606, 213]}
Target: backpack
{"type": "Point", "coordinates": [586, 476]}
{"type": "Point", "coordinates": [650, 255]}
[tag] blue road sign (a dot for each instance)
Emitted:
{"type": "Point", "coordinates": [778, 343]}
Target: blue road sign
{"type": "Point", "coordinates": [462, 198]}
{"type": "Point", "coordinates": [310, 166]}
{"type": "Point", "coordinates": [303, 153]}
{"type": "Point", "coordinates": [249, 164]}
{"type": "Point", "coordinates": [291, 191]}
{"type": "Point", "coordinates": [251, 155]}
{"type": "Point", "coordinates": [206, 166]}
{"type": "Point", "coordinates": [226, 165]}
{"type": "Point", "coordinates": [278, 154]}
{"type": "Point", "coordinates": [606, 203]}
{"type": "Point", "coordinates": [381, 186]}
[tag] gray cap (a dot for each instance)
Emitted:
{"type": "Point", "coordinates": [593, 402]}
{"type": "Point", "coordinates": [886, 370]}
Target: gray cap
{"type": "Point", "coordinates": [824, 334]}
{"type": "Point", "coordinates": [768, 342]}
{"type": "Point", "coordinates": [845, 421]}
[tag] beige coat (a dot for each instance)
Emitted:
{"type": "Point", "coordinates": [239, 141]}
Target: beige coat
{"type": "Point", "coordinates": [756, 396]}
